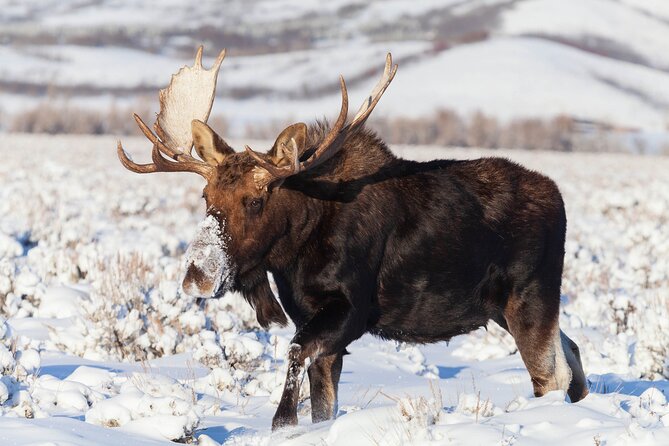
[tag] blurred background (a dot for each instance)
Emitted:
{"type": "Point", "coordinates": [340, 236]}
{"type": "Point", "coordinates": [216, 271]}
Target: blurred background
{"type": "Point", "coordinates": [569, 75]}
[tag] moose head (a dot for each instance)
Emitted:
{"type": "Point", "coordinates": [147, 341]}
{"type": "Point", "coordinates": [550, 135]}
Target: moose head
{"type": "Point", "coordinates": [248, 216]}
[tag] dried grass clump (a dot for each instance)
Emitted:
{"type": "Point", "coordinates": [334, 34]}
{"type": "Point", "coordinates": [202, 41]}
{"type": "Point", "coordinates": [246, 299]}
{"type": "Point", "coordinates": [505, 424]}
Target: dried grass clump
{"type": "Point", "coordinates": [63, 118]}
{"type": "Point", "coordinates": [448, 128]}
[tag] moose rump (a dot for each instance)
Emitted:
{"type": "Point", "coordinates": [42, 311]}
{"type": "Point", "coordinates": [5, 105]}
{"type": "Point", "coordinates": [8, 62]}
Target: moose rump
{"type": "Point", "coordinates": [457, 246]}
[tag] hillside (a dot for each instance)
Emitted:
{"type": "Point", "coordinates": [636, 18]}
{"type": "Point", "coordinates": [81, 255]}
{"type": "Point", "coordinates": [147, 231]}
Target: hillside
{"type": "Point", "coordinates": [594, 60]}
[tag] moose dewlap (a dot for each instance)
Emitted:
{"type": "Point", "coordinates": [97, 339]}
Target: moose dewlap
{"type": "Point", "coordinates": [207, 263]}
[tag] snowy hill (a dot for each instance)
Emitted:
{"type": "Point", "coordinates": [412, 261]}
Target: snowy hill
{"type": "Point", "coordinates": [594, 60]}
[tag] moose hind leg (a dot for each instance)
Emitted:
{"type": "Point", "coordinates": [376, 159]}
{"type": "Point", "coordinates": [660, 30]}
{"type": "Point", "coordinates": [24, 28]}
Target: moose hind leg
{"type": "Point", "coordinates": [324, 375]}
{"type": "Point", "coordinates": [533, 322]}
{"type": "Point", "coordinates": [578, 389]}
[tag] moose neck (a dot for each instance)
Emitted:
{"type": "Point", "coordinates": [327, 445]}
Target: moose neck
{"type": "Point", "coordinates": [311, 200]}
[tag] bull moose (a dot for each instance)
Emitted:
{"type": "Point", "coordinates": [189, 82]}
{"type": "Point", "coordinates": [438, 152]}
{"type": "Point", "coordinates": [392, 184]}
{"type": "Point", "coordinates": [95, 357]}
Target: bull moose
{"type": "Point", "coordinates": [360, 241]}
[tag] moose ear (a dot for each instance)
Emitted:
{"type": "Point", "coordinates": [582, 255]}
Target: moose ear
{"type": "Point", "coordinates": [211, 147]}
{"type": "Point", "coordinates": [293, 137]}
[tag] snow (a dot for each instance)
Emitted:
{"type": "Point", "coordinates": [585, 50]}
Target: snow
{"type": "Point", "coordinates": [392, 10]}
{"type": "Point", "coordinates": [540, 79]}
{"type": "Point", "coordinates": [103, 347]}
{"type": "Point", "coordinates": [572, 66]}
{"type": "Point", "coordinates": [77, 65]}
{"type": "Point", "coordinates": [61, 301]}
{"type": "Point", "coordinates": [70, 65]}
{"type": "Point", "coordinates": [595, 18]}
{"type": "Point", "coordinates": [652, 7]}
{"type": "Point", "coordinates": [208, 254]}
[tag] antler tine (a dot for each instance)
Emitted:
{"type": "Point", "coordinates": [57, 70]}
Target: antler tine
{"type": "Point", "coordinates": [370, 102]}
{"type": "Point", "coordinates": [130, 164]}
{"type": "Point", "coordinates": [219, 60]}
{"type": "Point", "coordinates": [278, 172]}
{"type": "Point", "coordinates": [267, 172]}
{"type": "Point", "coordinates": [183, 163]}
{"type": "Point", "coordinates": [160, 164]}
{"type": "Point", "coordinates": [332, 142]}
{"type": "Point", "coordinates": [198, 56]}
{"type": "Point", "coordinates": [152, 136]}
{"type": "Point", "coordinates": [164, 165]}
{"type": "Point", "coordinates": [172, 153]}
{"type": "Point", "coordinates": [327, 148]}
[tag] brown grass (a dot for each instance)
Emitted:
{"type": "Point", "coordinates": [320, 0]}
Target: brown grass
{"type": "Point", "coordinates": [444, 128]}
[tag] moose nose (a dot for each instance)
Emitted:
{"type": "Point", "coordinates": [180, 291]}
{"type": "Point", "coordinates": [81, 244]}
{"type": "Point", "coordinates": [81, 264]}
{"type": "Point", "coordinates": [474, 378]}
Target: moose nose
{"type": "Point", "coordinates": [207, 263]}
{"type": "Point", "coordinates": [197, 284]}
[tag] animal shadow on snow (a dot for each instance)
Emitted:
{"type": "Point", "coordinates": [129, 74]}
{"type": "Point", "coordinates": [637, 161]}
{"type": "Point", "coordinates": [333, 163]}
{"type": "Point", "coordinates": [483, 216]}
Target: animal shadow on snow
{"type": "Point", "coordinates": [612, 383]}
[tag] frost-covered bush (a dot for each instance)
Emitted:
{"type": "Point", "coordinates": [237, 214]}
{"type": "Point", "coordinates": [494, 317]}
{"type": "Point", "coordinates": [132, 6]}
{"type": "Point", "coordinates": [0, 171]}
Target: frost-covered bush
{"type": "Point", "coordinates": [129, 315]}
{"type": "Point", "coordinates": [18, 366]}
{"type": "Point", "coordinates": [145, 401]}
{"type": "Point", "coordinates": [125, 315]}
{"type": "Point", "coordinates": [651, 355]}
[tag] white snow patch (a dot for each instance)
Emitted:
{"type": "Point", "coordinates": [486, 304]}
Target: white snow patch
{"type": "Point", "coordinates": [138, 356]}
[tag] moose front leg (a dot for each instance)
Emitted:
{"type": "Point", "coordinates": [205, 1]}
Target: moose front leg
{"type": "Point", "coordinates": [286, 413]}
{"type": "Point", "coordinates": [322, 339]}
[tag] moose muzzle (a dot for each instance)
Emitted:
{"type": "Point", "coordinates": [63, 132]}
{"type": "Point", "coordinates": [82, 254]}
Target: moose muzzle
{"type": "Point", "coordinates": [208, 268]}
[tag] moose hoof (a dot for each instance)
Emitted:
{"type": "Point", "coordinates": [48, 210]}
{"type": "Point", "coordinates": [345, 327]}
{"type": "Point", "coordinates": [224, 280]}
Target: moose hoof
{"type": "Point", "coordinates": [280, 421]}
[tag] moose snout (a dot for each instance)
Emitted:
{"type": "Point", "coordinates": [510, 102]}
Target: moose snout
{"type": "Point", "coordinates": [197, 284]}
{"type": "Point", "coordinates": [208, 267]}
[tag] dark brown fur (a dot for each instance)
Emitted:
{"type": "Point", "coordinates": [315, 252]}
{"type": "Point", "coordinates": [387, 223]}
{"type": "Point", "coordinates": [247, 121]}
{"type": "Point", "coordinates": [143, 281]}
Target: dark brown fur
{"type": "Point", "coordinates": [418, 252]}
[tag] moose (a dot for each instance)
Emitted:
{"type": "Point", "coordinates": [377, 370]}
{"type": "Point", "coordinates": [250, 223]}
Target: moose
{"type": "Point", "coordinates": [360, 241]}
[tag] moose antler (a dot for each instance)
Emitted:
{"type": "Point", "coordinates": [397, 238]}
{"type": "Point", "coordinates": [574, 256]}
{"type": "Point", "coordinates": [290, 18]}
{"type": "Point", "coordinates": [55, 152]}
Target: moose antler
{"type": "Point", "coordinates": [267, 173]}
{"type": "Point", "coordinates": [189, 96]}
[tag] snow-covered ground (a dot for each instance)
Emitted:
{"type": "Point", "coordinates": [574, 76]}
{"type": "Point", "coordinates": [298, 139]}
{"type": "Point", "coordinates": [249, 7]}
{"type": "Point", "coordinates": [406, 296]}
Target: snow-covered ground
{"type": "Point", "coordinates": [100, 346]}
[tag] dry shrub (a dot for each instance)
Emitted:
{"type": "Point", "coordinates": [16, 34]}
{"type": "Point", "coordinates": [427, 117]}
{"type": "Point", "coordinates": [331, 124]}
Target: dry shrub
{"type": "Point", "coordinates": [444, 128]}
{"type": "Point", "coordinates": [447, 128]}
{"type": "Point", "coordinates": [538, 134]}
{"type": "Point", "coordinates": [651, 354]}
{"type": "Point", "coordinates": [121, 293]}
{"type": "Point", "coordinates": [49, 119]}
{"type": "Point", "coordinates": [483, 131]}
{"type": "Point", "coordinates": [64, 118]}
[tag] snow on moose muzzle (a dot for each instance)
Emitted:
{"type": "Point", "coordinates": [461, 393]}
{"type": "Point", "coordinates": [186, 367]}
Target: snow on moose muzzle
{"type": "Point", "coordinates": [208, 268]}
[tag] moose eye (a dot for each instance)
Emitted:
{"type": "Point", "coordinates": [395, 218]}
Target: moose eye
{"type": "Point", "coordinates": [254, 205]}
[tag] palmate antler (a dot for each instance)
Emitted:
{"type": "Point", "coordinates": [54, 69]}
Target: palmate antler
{"type": "Point", "coordinates": [267, 173]}
{"type": "Point", "coordinates": [189, 96]}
